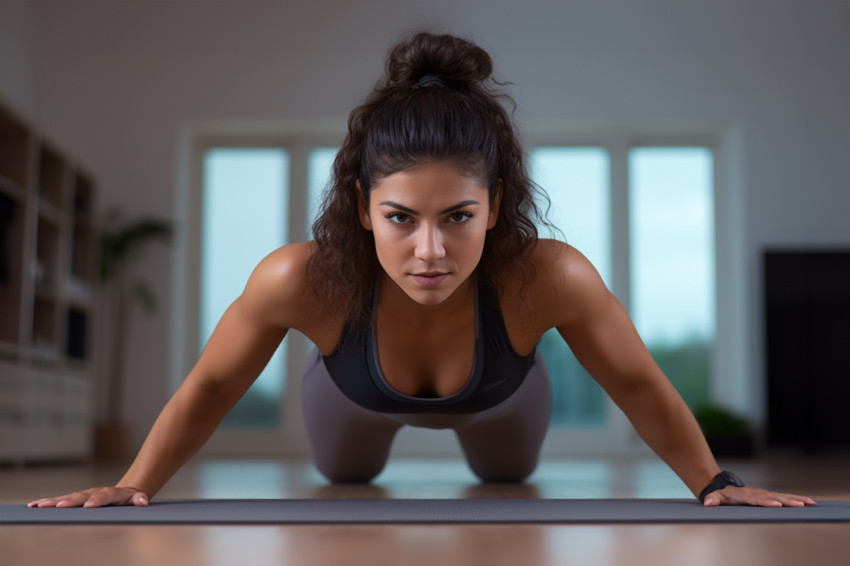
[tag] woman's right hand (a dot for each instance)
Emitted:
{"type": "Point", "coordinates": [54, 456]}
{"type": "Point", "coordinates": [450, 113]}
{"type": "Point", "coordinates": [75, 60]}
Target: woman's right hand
{"type": "Point", "coordinates": [96, 497]}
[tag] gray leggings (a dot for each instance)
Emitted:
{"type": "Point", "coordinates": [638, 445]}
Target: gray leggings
{"type": "Point", "coordinates": [351, 444]}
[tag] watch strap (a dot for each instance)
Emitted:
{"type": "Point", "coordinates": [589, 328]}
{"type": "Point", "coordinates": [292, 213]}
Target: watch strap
{"type": "Point", "coordinates": [721, 480]}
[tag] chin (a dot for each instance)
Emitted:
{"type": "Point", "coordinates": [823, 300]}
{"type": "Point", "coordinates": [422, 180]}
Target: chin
{"type": "Point", "coordinates": [425, 297]}
{"type": "Point", "coordinates": [429, 297]}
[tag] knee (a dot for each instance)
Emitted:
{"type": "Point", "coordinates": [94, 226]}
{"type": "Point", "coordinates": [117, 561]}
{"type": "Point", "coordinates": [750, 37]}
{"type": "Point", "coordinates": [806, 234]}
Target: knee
{"type": "Point", "coordinates": [516, 472]}
{"type": "Point", "coordinates": [348, 472]}
{"type": "Point", "coordinates": [348, 477]}
{"type": "Point", "coordinates": [500, 477]}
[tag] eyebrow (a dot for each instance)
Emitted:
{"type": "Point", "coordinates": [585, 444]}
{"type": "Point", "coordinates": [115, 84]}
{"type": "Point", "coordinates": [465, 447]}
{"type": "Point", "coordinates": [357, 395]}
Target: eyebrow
{"type": "Point", "coordinates": [415, 213]}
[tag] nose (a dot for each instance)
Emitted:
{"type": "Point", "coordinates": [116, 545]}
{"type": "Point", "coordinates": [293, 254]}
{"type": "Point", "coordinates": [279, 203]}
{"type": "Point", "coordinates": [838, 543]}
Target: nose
{"type": "Point", "coordinates": [429, 243]}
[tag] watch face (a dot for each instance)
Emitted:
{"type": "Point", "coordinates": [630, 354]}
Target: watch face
{"type": "Point", "coordinates": [732, 479]}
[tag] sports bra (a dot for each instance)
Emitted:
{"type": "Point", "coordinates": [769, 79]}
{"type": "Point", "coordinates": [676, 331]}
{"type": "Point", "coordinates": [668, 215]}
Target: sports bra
{"type": "Point", "coordinates": [497, 370]}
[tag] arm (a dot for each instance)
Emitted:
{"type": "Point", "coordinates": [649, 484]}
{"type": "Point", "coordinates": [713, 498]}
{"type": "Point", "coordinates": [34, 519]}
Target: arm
{"type": "Point", "coordinates": [234, 356]}
{"type": "Point", "coordinates": [239, 348]}
{"type": "Point", "coordinates": [603, 338]}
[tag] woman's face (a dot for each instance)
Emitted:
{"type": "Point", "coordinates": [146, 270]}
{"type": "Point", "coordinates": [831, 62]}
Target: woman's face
{"type": "Point", "coordinates": [429, 224]}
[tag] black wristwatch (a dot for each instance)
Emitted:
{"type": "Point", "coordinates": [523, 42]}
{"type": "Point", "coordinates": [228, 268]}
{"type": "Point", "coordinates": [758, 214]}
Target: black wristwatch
{"type": "Point", "coordinates": [721, 480]}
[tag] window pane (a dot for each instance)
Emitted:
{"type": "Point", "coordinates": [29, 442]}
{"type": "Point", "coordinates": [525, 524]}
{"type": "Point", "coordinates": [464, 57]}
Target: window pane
{"type": "Point", "coordinates": [245, 217]}
{"type": "Point", "coordinates": [577, 182]}
{"type": "Point", "coordinates": [319, 168]}
{"type": "Point", "coordinates": [672, 262]}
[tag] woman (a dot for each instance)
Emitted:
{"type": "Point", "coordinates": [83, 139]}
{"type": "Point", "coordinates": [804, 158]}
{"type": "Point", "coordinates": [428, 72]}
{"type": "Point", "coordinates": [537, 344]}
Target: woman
{"type": "Point", "coordinates": [425, 292]}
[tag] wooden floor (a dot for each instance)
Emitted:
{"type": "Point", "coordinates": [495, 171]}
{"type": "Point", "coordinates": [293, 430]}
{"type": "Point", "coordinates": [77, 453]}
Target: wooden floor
{"type": "Point", "coordinates": [440, 545]}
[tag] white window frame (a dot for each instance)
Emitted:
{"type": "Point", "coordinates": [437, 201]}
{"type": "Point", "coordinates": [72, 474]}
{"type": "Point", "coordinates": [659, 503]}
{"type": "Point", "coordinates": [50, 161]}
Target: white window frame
{"type": "Point", "coordinates": [728, 385]}
{"type": "Point", "coordinates": [194, 139]}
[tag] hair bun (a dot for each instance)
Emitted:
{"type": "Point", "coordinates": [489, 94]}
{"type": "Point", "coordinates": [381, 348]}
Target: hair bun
{"type": "Point", "coordinates": [446, 57]}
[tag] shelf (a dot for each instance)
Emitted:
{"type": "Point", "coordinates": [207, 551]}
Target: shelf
{"type": "Point", "coordinates": [77, 292]}
{"type": "Point", "coordinates": [48, 251]}
{"type": "Point", "coordinates": [12, 222]}
{"type": "Point", "coordinates": [15, 140]}
{"type": "Point", "coordinates": [51, 176]}
{"type": "Point", "coordinates": [45, 353]}
{"type": "Point", "coordinates": [47, 212]}
{"type": "Point", "coordinates": [77, 335]}
{"type": "Point", "coordinates": [43, 341]}
{"type": "Point", "coordinates": [83, 199]}
{"type": "Point", "coordinates": [12, 190]}
{"type": "Point", "coordinates": [46, 293]}
{"type": "Point", "coordinates": [82, 256]}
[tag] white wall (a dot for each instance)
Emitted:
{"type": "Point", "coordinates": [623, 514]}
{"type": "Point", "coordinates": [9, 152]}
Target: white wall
{"type": "Point", "coordinates": [16, 75]}
{"type": "Point", "coordinates": [115, 80]}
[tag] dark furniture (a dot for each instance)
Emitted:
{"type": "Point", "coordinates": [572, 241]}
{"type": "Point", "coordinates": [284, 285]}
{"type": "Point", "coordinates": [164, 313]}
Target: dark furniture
{"type": "Point", "coordinates": [807, 295]}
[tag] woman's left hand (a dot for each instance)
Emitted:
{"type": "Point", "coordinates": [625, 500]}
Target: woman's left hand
{"type": "Point", "coordinates": [732, 495]}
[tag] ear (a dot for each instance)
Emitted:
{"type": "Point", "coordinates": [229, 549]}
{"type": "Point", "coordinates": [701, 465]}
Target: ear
{"type": "Point", "coordinates": [495, 206]}
{"type": "Point", "coordinates": [362, 210]}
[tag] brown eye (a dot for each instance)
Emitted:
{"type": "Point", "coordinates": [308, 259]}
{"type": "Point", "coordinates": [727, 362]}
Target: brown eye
{"type": "Point", "coordinates": [458, 217]}
{"type": "Point", "coordinates": [398, 218]}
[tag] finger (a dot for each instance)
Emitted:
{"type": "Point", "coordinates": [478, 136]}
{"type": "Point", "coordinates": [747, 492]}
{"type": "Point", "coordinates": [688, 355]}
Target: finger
{"type": "Point", "coordinates": [48, 501]}
{"type": "Point", "coordinates": [51, 502]}
{"type": "Point", "coordinates": [758, 497]}
{"type": "Point", "coordinates": [116, 496]}
{"type": "Point", "coordinates": [711, 501]}
{"type": "Point", "coordinates": [741, 496]}
{"type": "Point", "coordinates": [791, 500]}
{"type": "Point", "coordinates": [98, 500]}
{"type": "Point", "coordinates": [140, 500]}
{"type": "Point", "coordinates": [103, 497]}
{"type": "Point", "coordinates": [785, 499]}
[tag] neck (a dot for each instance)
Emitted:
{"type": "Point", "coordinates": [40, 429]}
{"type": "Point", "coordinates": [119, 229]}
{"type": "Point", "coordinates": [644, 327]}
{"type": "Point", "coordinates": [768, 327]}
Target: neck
{"type": "Point", "coordinates": [391, 298]}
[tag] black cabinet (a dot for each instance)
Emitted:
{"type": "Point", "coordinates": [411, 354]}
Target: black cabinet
{"type": "Point", "coordinates": [807, 296]}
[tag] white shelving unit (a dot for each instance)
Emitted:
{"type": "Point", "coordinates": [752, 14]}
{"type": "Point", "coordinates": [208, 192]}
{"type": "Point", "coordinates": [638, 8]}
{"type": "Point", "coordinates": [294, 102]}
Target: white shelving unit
{"type": "Point", "coordinates": [48, 250]}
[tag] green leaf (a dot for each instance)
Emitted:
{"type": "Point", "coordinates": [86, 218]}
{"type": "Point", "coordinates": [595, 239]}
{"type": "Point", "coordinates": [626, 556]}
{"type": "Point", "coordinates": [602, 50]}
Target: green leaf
{"type": "Point", "coordinates": [122, 242]}
{"type": "Point", "coordinates": [145, 295]}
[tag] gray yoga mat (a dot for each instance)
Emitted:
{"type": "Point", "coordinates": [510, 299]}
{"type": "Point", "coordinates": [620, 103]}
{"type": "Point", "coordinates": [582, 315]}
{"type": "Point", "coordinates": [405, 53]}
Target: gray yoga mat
{"type": "Point", "coordinates": [385, 511]}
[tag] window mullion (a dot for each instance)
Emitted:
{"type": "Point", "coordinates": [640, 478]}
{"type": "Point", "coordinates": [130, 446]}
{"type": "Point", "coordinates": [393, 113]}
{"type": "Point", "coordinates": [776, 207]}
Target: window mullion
{"type": "Point", "coordinates": [298, 346]}
{"type": "Point", "coordinates": [620, 260]}
{"type": "Point", "coordinates": [618, 148]}
{"type": "Point", "coordinates": [298, 191]}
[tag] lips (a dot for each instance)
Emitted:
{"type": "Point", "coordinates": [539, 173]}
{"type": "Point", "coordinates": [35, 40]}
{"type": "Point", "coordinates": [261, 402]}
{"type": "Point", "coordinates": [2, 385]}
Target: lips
{"type": "Point", "coordinates": [429, 278]}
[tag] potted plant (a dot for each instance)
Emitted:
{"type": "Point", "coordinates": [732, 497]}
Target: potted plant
{"type": "Point", "coordinates": [727, 433]}
{"type": "Point", "coordinates": [121, 244]}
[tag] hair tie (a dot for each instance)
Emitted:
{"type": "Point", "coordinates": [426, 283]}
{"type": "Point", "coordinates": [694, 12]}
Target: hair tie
{"type": "Point", "coordinates": [430, 80]}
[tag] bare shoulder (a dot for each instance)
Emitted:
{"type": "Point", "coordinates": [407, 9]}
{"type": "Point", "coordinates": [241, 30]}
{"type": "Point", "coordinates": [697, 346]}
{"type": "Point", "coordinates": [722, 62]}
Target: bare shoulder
{"type": "Point", "coordinates": [278, 291]}
{"type": "Point", "coordinates": [566, 286]}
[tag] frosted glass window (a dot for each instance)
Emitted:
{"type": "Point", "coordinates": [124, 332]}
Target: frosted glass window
{"type": "Point", "coordinates": [245, 217]}
{"type": "Point", "coordinates": [577, 180]}
{"type": "Point", "coordinates": [672, 261]}
{"type": "Point", "coordinates": [319, 169]}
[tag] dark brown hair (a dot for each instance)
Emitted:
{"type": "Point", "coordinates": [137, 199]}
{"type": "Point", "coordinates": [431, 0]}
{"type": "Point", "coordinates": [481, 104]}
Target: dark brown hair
{"type": "Point", "coordinates": [437, 101]}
